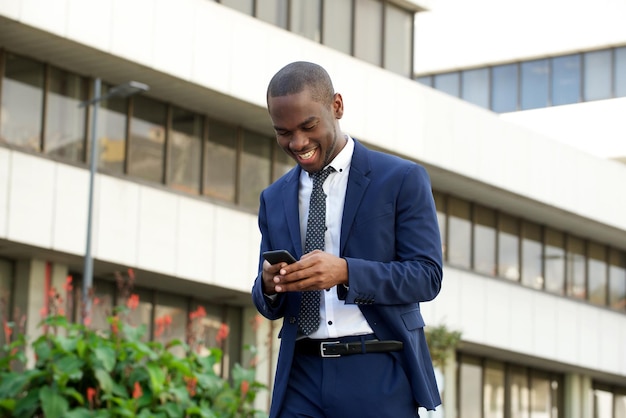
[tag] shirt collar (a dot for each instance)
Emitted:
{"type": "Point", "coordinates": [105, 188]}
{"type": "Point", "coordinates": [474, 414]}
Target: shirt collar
{"type": "Point", "coordinates": [342, 161]}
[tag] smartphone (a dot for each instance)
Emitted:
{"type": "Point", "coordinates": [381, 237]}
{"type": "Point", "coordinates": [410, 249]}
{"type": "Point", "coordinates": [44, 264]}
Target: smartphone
{"type": "Point", "coordinates": [279, 256]}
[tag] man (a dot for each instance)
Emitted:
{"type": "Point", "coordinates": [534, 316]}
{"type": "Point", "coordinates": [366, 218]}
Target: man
{"type": "Point", "coordinates": [352, 342]}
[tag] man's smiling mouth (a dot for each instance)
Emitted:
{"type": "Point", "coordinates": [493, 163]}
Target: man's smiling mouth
{"type": "Point", "coordinates": [307, 155]}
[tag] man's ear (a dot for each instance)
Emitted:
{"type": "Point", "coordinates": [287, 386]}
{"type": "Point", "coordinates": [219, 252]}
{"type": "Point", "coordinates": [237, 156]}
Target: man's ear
{"type": "Point", "coordinates": [338, 105]}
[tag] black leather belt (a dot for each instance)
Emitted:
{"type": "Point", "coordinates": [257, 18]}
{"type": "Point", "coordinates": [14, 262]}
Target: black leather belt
{"type": "Point", "coordinates": [336, 348]}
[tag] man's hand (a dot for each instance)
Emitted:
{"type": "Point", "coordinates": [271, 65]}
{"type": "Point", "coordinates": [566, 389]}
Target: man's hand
{"type": "Point", "coordinates": [316, 270]}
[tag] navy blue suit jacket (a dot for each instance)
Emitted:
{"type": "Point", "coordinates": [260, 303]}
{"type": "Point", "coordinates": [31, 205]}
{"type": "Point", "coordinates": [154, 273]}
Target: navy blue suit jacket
{"type": "Point", "coordinates": [390, 240]}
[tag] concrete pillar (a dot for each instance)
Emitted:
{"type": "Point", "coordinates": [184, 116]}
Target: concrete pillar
{"type": "Point", "coordinates": [578, 394]}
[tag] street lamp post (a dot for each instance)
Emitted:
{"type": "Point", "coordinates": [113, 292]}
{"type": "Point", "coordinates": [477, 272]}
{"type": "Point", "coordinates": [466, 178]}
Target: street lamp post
{"type": "Point", "coordinates": [122, 90]}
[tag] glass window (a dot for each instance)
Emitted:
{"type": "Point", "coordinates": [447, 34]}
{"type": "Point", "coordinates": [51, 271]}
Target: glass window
{"type": "Point", "coordinates": [554, 261]}
{"type": "Point", "coordinates": [6, 289]}
{"type": "Point", "coordinates": [220, 162]}
{"type": "Point", "coordinates": [170, 320]}
{"type": "Point", "coordinates": [531, 255]}
{"type": "Point", "coordinates": [448, 83]}
{"type": "Point", "coordinates": [440, 204]}
{"type": "Point", "coordinates": [575, 268]}
{"type": "Point", "coordinates": [471, 385]}
{"type": "Point", "coordinates": [598, 285]}
{"type": "Point", "coordinates": [508, 247]}
{"type": "Point", "coordinates": [398, 40]}
{"type": "Point", "coordinates": [147, 139]}
{"type": "Point", "coordinates": [282, 162]}
{"type": "Point", "coordinates": [255, 168]}
{"type": "Point", "coordinates": [504, 90]}
{"type": "Point", "coordinates": [475, 86]}
{"type": "Point", "coordinates": [459, 232]}
{"type": "Point", "coordinates": [540, 395]}
{"type": "Point", "coordinates": [22, 102]}
{"type": "Point", "coordinates": [603, 403]}
{"type": "Point", "coordinates": [368, 19]}
{"type": "Point", "coordinates": [112, 123]}
{"type": "Point", "coordinates": [102, 304]}
{"type": "Point", "coordinates": [494, 390]}
{"type": "Point", "coordinates": [484, 241]}
{"type": "Point", "coordinates": [337, 25]}
{"type": "Point", "coordinates": [597, 70]}
{"type": "Point", "coordinates": [566, 79]}
{"type": "Point", "coordinates": [305, 18]}
{"type": "Point", "coordinates": [185, 151]}
{"type": "Point", "coordinates": [204, 330]}
{"type": "Point", "coordinates": [245, 6]}
{"type": "Point", "coordinates": [65, 121]}
{"type": "Point", "coordinates": [519, 392]}
{"type": "Point", "coordinates": [232, 345]}
{"type": "Point", "coordinates": [272, 11]}
{"type": "Point", "coordinates": [617, 279]}
{"type": "Point", "coordinates": [619, 72]}
{"type": "Point", "coordinates": [535, 84]}
{"type": "Point", "coordinates": [426, 80]}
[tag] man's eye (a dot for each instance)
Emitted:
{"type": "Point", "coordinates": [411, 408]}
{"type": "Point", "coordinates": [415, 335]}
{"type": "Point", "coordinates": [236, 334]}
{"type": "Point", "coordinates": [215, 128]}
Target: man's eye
{"type": "Point", "coordinates": [308, 128]}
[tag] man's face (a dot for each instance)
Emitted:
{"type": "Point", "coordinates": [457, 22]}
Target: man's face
{"type": "Point", "coordinates": [307, 130]}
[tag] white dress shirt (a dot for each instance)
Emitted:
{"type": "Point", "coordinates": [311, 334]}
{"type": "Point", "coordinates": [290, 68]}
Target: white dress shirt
{"type": "Point", "coordinates": [338, 319]}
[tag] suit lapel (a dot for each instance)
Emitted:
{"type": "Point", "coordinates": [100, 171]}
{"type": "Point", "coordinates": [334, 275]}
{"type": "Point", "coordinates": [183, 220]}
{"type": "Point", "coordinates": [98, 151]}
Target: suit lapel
{"type": "Point", "coordinates": [357, 184]}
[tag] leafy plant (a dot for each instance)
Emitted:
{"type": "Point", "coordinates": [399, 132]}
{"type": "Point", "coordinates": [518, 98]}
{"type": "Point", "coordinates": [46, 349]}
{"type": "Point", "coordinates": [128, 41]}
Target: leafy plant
{"type": "Point", "coordinates": [440, 342]}
{"type": "Point", "coordinates": [81, 372]}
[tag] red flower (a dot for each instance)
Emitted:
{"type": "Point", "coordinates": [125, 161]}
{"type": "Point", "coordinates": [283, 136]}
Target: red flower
{"type": "Point", "coordinates": [162, 324]}
{"type": "Point", "coordinates": [222, 333]}
{"type": "Point", "coordinates": [137, 391]}
{"type": "Point", "coordinates": [198, 313]}
{"type": "Point", "coordinates": [91, 394]}
{"type": "Point", "coordinates": [244, 387]}
{"type": "Point", "coordinates": [131, 274]}
{"type": "Point", "coordinates": [133, 302]}
{"type": "Point", "coordinates": [191, 385]}
{"type": "Point", "coordinates": [68, 284]}
{"type": "Point", "coordinates": [115, 325]}
{"type": "Point", "coordinates": [7, 330]}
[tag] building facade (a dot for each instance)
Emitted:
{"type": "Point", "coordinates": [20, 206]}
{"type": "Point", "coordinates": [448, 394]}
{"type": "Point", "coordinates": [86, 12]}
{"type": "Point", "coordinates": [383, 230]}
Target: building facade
{"type": "Point", "coordinates": [534, 230]}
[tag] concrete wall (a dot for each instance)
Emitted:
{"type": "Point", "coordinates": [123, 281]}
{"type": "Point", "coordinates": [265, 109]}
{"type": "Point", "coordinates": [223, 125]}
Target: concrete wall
{"type": "Point", "coordinates": [384, 109]}
{"type": "Point", "coordinates": [511, 317]}
{"type": "Point", "coordinates": [44, 204]}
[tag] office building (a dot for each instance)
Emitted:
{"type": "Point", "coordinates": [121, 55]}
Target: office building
{"type": "Point", "coordinates": [532, 220]}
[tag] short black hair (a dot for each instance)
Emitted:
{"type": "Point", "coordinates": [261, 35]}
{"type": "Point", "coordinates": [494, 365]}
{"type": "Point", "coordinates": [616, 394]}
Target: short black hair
{"type": "Point", "coordinates": [295, 77]}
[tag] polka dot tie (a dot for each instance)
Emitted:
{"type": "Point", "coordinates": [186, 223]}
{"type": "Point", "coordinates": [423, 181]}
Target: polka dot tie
{"type": "Point", "coordinates": [315, 230]}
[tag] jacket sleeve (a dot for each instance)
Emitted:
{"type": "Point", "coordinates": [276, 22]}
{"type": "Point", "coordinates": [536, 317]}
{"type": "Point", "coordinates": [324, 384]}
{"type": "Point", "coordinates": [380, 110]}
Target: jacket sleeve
{"type": "Point", "coordinates": [394, 253]}
{"type": "Point", "coordinates": [271, 308]}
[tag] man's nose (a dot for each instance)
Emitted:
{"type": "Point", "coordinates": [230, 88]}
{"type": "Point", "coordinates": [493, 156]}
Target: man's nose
{"type": "Point", "coordinates": [298, 141]}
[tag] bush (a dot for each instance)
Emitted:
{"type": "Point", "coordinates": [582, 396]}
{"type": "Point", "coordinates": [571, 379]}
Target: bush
{"type": "Point", "coordinates": [79, 372]}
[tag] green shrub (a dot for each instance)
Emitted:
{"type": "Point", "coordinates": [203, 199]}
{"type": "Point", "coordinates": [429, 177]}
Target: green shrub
{"type": "Point", "coordinates": [79, 372]}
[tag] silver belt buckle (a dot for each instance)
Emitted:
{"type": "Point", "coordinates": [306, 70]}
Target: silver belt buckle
{"type": "Point", "coordinates": [323, 347]}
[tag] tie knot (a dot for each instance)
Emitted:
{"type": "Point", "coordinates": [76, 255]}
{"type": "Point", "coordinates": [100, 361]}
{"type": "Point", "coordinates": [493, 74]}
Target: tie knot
{"type": "Point", "coordinates": [320, 177]}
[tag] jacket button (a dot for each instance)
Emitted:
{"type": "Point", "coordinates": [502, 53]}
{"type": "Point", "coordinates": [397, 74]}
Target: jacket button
{"type": "Point", "coordinates": [292, 320]}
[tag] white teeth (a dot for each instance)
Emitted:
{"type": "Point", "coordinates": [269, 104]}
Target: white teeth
{"type": "Point", "coordinates": [307, 155]}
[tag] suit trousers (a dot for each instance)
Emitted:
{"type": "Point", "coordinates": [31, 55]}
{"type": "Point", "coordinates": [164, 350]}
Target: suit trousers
{"type": "Point", "coordinates": [372, 385]}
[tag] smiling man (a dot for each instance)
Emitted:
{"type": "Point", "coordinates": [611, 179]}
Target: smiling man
{"type": "Point", "coordinates": [363, 228]}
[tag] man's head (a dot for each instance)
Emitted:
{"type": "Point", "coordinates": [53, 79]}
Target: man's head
{"type": "Point", "coordinates": [305, 112]}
